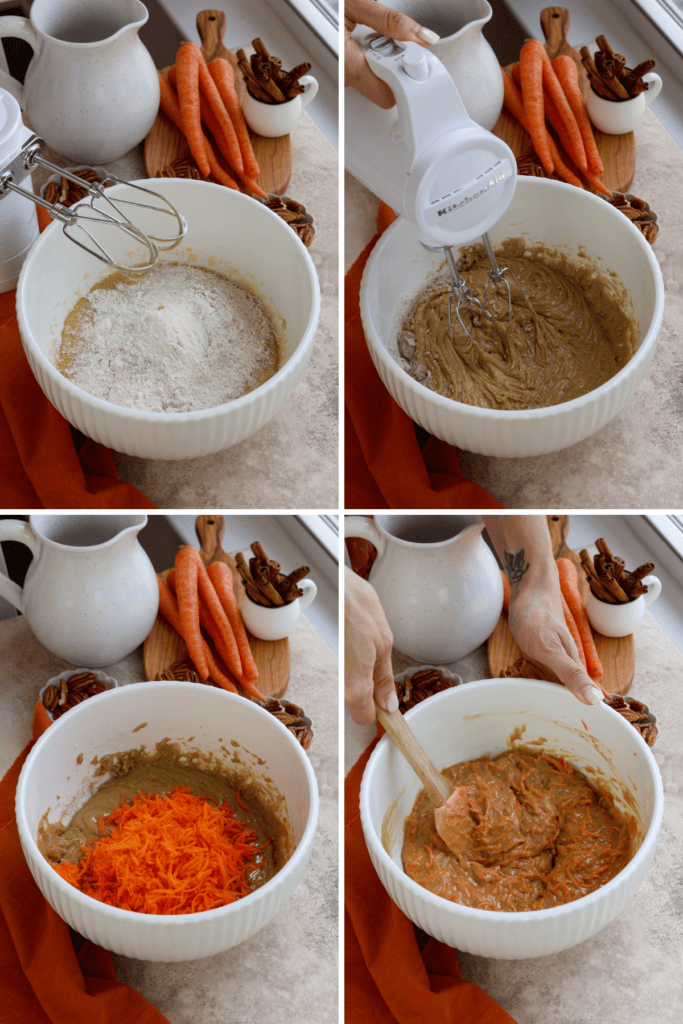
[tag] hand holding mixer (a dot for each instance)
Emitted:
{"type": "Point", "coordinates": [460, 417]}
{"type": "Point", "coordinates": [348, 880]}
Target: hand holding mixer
{"type": "Point", "coordinates": [429, 161]}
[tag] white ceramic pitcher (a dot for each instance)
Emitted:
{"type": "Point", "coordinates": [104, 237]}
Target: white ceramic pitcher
{"type": "Point", "coordinates": [463, 51]}
{"type": "Point", "coordinates": [90, 594]}
{"type": "Point", "coordinates": [438, 581]}
{"type": "Point", "coordinates": [91, 89]}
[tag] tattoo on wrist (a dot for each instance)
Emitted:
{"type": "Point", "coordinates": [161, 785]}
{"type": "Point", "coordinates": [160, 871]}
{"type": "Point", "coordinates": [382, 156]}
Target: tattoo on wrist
{"type": "Point", "coordinates": [516, 566]}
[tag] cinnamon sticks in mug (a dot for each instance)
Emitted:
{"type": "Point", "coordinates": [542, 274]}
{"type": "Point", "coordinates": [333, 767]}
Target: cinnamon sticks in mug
{"type": "Point", "coordinates": [263, 581]}
{"type": "Point", "coordinates": [608, 577]}
{"type": "Point", "coordinates": [265, 78]}
{"type": "Point", "coordinates": [608, 75]}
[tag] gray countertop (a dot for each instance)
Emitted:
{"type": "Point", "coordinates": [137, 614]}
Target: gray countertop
{"type": "Point", "coordinates": [629, 463]}
{"type": "Point", "coordinates": [293, 961]}
{"type": "Point", "coordinates": [631, 970]}
{"type": "Point", "coordinates": [292, 462]}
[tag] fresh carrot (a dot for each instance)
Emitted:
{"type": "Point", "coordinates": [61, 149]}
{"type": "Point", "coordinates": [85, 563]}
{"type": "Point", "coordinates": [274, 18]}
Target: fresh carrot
{"type": "Point", "coordinates": [168, 607]}
{"type": "Point", "coordinates": [174, 853]}
{"type": "Point", "coordinates": [168, 101]}
{"type": "Point", "coordinates": [553, 116]}
{"type": "Point", "coordinates": [568, 76]}
{"type": "Point", "coordinates": [221, 577]}
{"type": "Point", "coordinates": [512, 98]}
{"type": "Point", "coordinates": [223, 75]}
{"type": "Point", "coordinates": [569, 586]}
{"type": "Point", "coordinates": [576, 149]}
{"type": "Point", "coordinates": [219, 173]}
{"type": "Point", "coordinates": [229, 656]}
{"type": "Point", "coordinates": [531, 76]}
{"type": "Point", "coordinates": [506, 590]}
{"type": "Point", "coordinates": [217, 613]}
{"type": "Point", "coordinates": [187, 78]}
{"type": "Point", "coordinates": [573, 629]}
{"type": "Point", "coordinates": [187, 591]}
{"type": "Point", "coordinates": [213, 110]}
{"type": "Point", "coordinates": [593, 180]}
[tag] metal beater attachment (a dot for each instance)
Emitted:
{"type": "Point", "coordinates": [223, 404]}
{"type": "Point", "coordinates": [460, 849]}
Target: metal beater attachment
{"type": "Point", "coordinates": [92, 221]}
{"type": "Point", "coordinates": [495, 276]}
{"type": "Point", "coordinates": [460, 294]}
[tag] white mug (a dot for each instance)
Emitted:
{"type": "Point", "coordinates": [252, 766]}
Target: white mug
{"type": "Point", "coordinates": [277, 623]}
{"type": "Point", "coordinates": [621, 619]}
{"type": "Point", "coordinates": [274, 119]}
{"type": "Point", "coordinates": [616, 117]}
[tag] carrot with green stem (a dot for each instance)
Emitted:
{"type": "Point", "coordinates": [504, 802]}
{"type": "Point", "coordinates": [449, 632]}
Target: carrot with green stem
{"type": "Point", "coordinates": [221, 577]}
{"type": "Point", "coordinates": [569, 586]}
{"type": "Point", "coordinates": [568, 76]}
{"type": "Point", "coordinates": [187, 79]}
{"type": "Point", "coordinates": [223, 75]}
{"type": "Point", "coordinates": [531, 77]}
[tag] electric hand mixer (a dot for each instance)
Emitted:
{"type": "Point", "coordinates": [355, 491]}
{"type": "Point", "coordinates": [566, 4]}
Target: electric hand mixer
{"type": "Point", "coordinates": [429, 161]}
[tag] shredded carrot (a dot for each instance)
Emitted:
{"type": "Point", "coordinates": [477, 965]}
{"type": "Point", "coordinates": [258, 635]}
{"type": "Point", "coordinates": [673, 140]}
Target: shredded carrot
{"type": "Point", "coordinates": [171, 854]}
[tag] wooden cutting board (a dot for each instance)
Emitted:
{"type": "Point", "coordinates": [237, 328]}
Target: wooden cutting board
{"type": "Point", "coordinates": [164, 143]}
{"type": "Point", "coordinates": [616, 653]}
{"type": "Point", "coordinates": [618, 152]}
{"type": "Point", "coordinates": [164, 646]}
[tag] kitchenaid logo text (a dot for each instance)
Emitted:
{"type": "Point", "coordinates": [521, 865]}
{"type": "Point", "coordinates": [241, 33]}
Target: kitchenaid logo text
{"type": "Point", "coordinates": [469, 199]}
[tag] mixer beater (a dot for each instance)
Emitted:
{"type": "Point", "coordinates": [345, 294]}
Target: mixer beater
{"type": "Point", "coordinates": [432, 164]}
{"type": "Point", "coordinates": [93, 222]}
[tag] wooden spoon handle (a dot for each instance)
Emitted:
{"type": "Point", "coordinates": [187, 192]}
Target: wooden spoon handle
{"type": "Point", "coordinates": [438, 788]}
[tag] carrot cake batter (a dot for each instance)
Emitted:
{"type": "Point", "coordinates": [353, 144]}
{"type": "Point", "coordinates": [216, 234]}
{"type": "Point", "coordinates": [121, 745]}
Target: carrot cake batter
{"type": "Point", "coordinates": [575, 332]}
{"type": "Point", "coordinates": [536, 834]}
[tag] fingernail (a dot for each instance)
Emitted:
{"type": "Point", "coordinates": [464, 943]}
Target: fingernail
{"type": "Point", "coordinates": [593, 695]}
{"type": "Point", "coordinates": [392, 703]}
{"type": "Point", "coordinates": [428, 35]}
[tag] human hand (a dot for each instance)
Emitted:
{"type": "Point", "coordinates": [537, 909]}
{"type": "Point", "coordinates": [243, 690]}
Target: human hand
{"type": "Point", "coordinates": [537, 623]}
{"type": "Point", "coordinates": [388, 22]}
{"type": "Point", "coordinates": [368, 641]}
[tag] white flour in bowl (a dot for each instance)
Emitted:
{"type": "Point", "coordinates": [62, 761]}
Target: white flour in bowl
{"type": "Point", "coordinates": [180, 339]}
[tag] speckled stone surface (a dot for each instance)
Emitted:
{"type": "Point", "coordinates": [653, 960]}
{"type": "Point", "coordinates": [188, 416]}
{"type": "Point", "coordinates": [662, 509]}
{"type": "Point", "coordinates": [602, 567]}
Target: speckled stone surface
{"type": "Point", "coordinates": [291, 965]}
{"type": "Point", "coordinates": [627, 464]}
{"type": "Point", "coordinates": [292, 462]}
{"type": "Point", "coordinates": [631, 970]}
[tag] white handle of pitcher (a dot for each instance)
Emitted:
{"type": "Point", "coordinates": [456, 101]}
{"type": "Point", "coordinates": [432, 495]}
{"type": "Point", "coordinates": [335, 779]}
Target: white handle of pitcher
{"type": "Point", "coordinates": [359, 526]}
{"type": "Point", "coordinates": [309, 591]}
{"type": "Point", "coordinates": [311, 85]}
{"type": "Point", "coordinates": [12, 27]}
{"type": "Point", "coordinates": [654, 588]}
{"type": "Point", "coordinates": [16, 529]}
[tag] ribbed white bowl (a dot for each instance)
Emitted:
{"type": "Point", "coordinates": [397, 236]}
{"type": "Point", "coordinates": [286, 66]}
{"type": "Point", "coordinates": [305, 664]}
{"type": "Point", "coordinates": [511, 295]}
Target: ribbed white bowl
{"type": "Point", "coordinates": [226, 231]}
{"type": "Point", "coordinates": [52, 777]}
{"type": "Point", "coordinates": [477, 718]}
{"type": "Point", "coordinates": [562, 216]}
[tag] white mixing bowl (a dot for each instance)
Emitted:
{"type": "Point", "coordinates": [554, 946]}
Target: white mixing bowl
{"type": "Point", "coordinates": [52, 778]}
{"type": "Point", "coordinates": [227, 231]}
{"type": "Point", "coordinates": [478, 718]}
{"type": "Point", "coordinates": [542, 210]}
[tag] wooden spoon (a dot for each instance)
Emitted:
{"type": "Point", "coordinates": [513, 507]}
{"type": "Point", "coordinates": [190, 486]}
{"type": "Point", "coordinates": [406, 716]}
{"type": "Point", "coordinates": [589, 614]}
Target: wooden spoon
{"type": "Point", "coordinates": [451, 806]}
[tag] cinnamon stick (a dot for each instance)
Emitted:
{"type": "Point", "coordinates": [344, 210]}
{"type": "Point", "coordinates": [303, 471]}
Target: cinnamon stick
{"type": "Point", "coordinates": [603, 547]}
{"type": "Point", "coordinates": [643, 570]}
{"type": "Point", "coordinates": [259, 551]}
{"type": "Point", "coordinates": [600, 592]}
{"type": "Point", "coordinates": [298, 574]}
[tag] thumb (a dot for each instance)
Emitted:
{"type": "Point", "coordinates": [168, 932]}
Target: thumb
{"type": "Point", "coordinates": [385, 688]}
{"type": "Point", "coordinates": [574, 676]}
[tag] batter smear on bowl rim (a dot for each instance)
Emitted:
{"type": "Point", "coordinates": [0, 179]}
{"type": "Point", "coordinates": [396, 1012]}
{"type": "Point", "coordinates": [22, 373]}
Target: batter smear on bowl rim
{"type": "Point", "coordinates": [526, 832]}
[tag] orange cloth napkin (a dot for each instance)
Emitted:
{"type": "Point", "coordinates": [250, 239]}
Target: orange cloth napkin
{"type": "Point", "coordinates": [395, 974]}
{"type": "Point", "coordinates": [43, 978]}
{"type": "Point", "coordinates": [390, 462]}
{"type": "Point", "coordinates": [41, 466]}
